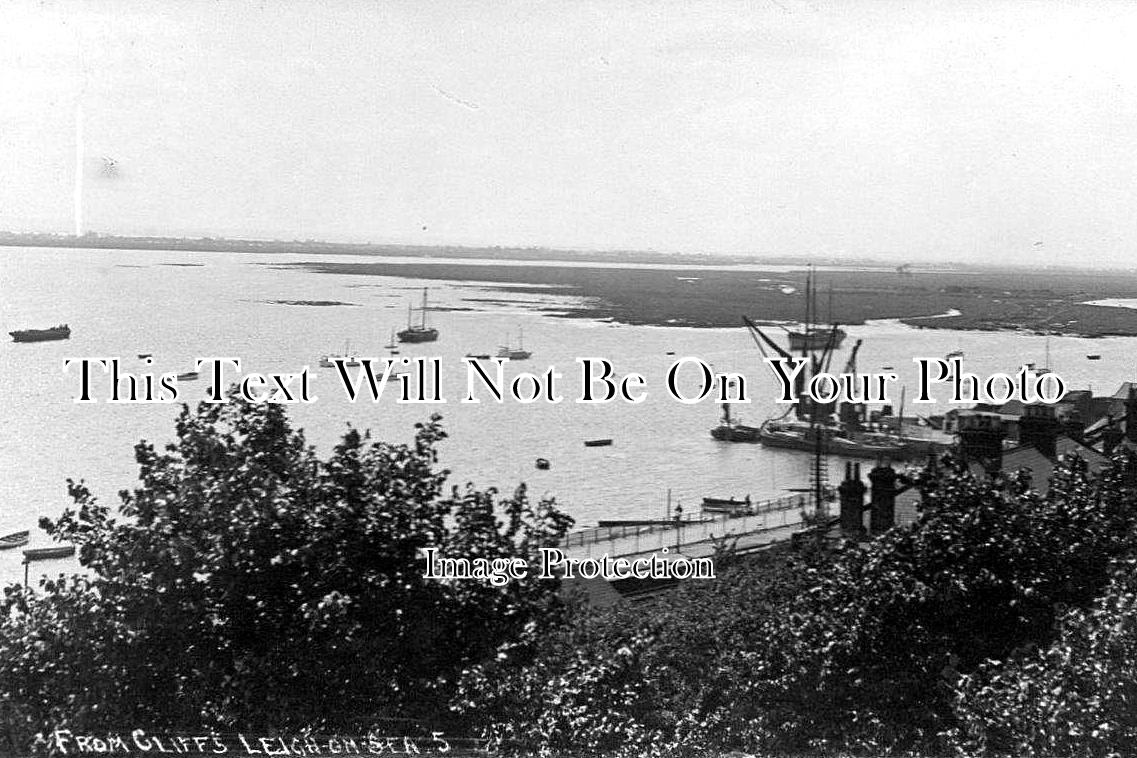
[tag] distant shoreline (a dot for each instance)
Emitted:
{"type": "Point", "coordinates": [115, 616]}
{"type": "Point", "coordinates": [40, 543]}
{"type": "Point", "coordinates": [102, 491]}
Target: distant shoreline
{"type": "Point", "coordinates": [1044, 303]}
{"type": "Point", "coordinates": [316, 247]}
{"type": "Point", "coordinates": [665, 293]}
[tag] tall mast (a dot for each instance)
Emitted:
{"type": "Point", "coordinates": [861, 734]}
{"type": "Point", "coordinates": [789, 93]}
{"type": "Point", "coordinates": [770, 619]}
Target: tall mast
{"type": "Point", "coordinates": [808, 298]}
{"type": "Point", "coordinates": [424, 307]}
{"type": "Point", "coordinates": [900, 418]}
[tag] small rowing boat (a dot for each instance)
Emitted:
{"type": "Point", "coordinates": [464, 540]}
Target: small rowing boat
{"type": "Point", "coordinates": [726, 505]}
{"type": "Point", "coordinates": [597, 443]}
{"type": "Point", "coordinates": [48, 553]}
{"type": "Point", "coordinates": [15, 539]}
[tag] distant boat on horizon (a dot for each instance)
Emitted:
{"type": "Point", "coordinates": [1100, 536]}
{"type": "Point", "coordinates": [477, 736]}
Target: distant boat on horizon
{"type": "Point", "coordinates": [57, 332]}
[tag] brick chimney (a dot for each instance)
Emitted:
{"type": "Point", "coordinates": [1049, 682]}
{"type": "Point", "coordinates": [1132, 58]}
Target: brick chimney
{"type": "Point", "coordinates": [1111, 435]}
{"type": "Point", "coordinates": [1073, 426]}
{"type": "Point", "coordinates": [883, 499]}
{"type": "Point", "coordinates": [851, 414]}
{"type": "Point", "coordinates": [981, 440]}
{"type": "Point", "coordinates": [852, 496]}
{"type": "Point", "coordinates": [1039, 428]}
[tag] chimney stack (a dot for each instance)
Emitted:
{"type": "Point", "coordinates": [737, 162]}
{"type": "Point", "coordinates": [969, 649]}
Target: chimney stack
{"type": "Point", "coordinates": [981, 440]}
{"type": "Point", "coordinates": [883, 499]}
{"type": "Point", "coordinates": [1073, 426]}
{"type": "Point", "coordinates": [852, 496]}
{"type": "Point", "coordinates": [1111, 435]}
{"type": "Point", "coordinates": [1039, 428]}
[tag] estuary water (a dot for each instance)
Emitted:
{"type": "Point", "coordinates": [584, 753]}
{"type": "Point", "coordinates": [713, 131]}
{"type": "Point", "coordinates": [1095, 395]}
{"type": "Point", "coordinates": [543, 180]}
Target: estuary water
{"type": "Point", "coordinates": [178, 306]}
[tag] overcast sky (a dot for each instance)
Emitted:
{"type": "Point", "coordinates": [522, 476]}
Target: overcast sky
{"type": "Point", "coordinates": [975, 131]}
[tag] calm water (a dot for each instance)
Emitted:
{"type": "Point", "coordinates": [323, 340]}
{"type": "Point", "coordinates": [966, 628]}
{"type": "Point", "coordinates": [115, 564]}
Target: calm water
{"type": "Point", "coordinates": [122, 303]}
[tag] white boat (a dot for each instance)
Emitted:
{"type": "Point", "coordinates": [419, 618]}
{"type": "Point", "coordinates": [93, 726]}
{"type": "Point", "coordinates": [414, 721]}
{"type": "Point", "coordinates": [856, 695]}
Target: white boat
{"type": "Point", "coordinates": [346, 358]}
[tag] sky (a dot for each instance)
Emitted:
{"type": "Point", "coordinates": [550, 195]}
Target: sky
{"type": "Point", "coordinates": [970, 131]}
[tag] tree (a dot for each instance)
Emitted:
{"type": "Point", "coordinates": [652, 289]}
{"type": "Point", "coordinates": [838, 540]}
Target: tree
{"type": "Point", "coordinates": [862, 653]}
{"type": "Point", "coordinates": [1075, 697]}
{"type": "Point", "coordinates": [245, 583]}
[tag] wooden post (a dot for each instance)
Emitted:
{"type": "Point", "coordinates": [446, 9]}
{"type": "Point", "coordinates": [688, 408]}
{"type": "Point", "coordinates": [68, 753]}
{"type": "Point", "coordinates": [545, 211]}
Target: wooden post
{"type": "Point", "coordinates": [678, 525]}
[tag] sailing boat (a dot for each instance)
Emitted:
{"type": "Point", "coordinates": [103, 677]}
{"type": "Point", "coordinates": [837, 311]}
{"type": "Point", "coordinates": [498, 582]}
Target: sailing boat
{"type": "Point", "coordinates": [815, 337]}
{"type": "Point", "coordinates": [329, 361]}
{"type": "Point", "coordinates": [1045, 368]}
{"type": "Point", "coordinates": [814, 429]}
{"type": "Point", "coordinates": [518, 353]}
{"type": "Point", "coordinates": [418, 332]}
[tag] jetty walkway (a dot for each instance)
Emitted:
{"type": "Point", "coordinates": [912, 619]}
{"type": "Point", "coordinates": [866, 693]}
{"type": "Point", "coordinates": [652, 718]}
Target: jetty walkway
{"type": "Point", "coordinates": [695, 537]}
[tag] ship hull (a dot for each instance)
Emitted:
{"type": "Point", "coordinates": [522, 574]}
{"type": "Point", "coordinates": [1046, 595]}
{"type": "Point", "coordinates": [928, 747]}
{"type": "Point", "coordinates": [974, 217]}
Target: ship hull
{"type": "Point", "coordinates": [40, 335]}
{"type": "Point", "coordinates": [418, 335]}
{"type": "Point", "coordinates": [736, 433]}
{"type": "Point", "coordinates": [832, 445]}
{"type": "Point", "coordinates": [816, 339]}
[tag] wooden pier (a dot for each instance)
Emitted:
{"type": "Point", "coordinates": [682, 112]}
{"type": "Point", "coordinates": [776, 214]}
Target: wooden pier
{"type": "Point", "coordinates": [694, 536]}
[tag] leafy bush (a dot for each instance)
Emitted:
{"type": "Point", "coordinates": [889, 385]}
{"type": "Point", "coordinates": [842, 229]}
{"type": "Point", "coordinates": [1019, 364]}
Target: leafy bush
{"type": "Point", "coordinates": [1077, 697]}
{"type": "Point", "coordinates": [245, 583]}
{"type": "Point", "coordinates": [862, 653]}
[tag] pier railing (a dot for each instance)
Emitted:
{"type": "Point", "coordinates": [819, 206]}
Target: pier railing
{"type": "Point", "coordinates": [692, 529]}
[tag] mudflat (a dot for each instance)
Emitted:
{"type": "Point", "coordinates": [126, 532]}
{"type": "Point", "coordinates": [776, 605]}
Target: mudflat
{"type": "Point", "coordinates": [1045, 301]}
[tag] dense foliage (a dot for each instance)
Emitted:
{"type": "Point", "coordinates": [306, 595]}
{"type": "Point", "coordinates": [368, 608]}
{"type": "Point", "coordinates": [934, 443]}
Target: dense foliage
{"type": "Point", "coordinates": [1077, 697]}
{"type": "Point", "coordinates": [246, 583]}
{"type": "Point", "coordinates": [863, 653]}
